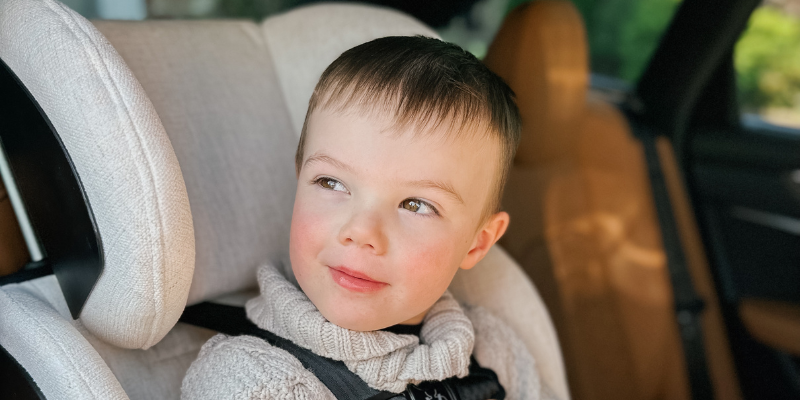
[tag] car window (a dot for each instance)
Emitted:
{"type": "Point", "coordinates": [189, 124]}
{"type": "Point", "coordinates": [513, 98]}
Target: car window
{"type": "Point", "coordinates": [622, 34]}
{"type": "Point", "coordinates": [767, 62]}
{"type": "Point", "coordinates": [474, 29]}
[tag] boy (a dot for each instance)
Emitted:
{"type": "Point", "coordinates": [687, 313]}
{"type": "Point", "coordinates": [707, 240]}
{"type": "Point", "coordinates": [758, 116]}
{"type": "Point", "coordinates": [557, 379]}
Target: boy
{"type": "Point", "coordinates": [401, 164]}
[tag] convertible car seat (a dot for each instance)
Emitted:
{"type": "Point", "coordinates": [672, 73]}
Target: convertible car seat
{"type": "Point", "coordinates": [157, 171]}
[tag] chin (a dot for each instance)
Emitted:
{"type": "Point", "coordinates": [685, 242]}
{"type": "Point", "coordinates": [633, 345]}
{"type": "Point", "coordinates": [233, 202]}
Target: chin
{"type": "Point", "coordinates": [352, 321]}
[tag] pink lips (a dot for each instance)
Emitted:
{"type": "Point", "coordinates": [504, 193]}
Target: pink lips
{"type": "Point", "coordinates": [355, 281]}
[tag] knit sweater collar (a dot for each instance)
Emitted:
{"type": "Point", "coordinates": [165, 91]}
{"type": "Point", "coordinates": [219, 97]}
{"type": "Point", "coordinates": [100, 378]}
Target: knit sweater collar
{"type": "Point", "coordinates": [386, 361]}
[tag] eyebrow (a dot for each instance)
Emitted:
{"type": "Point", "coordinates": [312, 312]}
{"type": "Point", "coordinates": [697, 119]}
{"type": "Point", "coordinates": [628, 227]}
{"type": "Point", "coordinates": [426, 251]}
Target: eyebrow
{"type": "Point", "coordinates": [316, 157]}
{"type": "Point", "coordinates": [424, 183]}
{"type": "Point", "coordinates": [445, 187]}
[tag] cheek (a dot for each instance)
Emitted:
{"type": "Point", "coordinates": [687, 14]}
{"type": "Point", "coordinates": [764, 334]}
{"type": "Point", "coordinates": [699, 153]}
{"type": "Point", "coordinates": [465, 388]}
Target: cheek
{"type": "Point", "coordinates": [307, 237]}
{"type": "Point", "coordinates": [431, 262]}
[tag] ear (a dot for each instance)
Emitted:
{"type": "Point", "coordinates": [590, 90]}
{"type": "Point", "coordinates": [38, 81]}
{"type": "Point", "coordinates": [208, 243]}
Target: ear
{"type": "Point", "coordinates": [491, 231]}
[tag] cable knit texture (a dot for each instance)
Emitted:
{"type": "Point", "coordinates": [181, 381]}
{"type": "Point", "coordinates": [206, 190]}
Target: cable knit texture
{"type": "Point", "coordinates": [247, 367]}
{"type": "Point", "coordinates": [386, 361]}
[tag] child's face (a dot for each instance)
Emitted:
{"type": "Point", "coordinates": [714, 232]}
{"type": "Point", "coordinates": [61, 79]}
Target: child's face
{"type": "Point", "coordinates": [383, 220]}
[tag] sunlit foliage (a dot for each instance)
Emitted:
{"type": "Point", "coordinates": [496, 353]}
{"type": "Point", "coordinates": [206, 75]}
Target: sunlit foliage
{"type": "Point", "coordinates": [767, 60]}
{"type": "Point", "coordinates": [623, 34]}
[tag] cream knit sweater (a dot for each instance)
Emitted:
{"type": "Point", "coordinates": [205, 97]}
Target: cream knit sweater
{"type": "Point", "coordinates": [246, 367]}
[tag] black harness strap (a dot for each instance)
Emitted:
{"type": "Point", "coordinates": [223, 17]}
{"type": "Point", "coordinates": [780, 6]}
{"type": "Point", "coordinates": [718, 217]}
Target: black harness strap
{"type": "Point", "coordinates": [231, 320]}
{"type": "Point", "coordinates": [480, 384]}
{"type": "Point", "coordinates": [27, 274]}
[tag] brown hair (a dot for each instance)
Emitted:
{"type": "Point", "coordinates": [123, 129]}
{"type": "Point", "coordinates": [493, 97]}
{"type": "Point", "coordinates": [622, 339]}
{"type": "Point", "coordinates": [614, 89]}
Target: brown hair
{"type": "Point", "coordinates": [421, 82]}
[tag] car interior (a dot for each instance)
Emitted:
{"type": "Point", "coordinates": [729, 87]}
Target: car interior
{"type": "Point", "coordinates": [148, 166]}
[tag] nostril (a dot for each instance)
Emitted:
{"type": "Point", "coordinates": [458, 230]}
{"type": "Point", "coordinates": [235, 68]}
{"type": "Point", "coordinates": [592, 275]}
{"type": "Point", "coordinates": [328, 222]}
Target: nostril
{"type": "Point", "coordinates": [367, 236]}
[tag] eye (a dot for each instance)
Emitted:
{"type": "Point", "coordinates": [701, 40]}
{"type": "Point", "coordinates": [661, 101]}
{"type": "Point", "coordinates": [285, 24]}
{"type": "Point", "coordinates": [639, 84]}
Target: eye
{"type": "Point", "coordinates": [331, 184]}
{"type": "Point", "coordinates": [418, 206]}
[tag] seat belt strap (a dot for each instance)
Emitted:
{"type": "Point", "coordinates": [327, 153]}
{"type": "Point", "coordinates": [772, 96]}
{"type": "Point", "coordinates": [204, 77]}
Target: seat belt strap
{"type": "Point", "coordinates": [688, 304]}
{"type": "Point", "coordinates": [232, 320]}
{"type": "Point", "coordinates": [480, 384]}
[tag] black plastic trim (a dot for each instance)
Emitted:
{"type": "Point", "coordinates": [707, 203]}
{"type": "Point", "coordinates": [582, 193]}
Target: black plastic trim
{"type": "Point", "coordinates": [739, 148]}
{"type": "Point", "coordinates": [31, 271]}
{"type": "Point", "coordinates": [17, 384]}
{"type": "Point", "coordinates": [51, 190]}
{"type": "Point", "coordinates": [770, 191]}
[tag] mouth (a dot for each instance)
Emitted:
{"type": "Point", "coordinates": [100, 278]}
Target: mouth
{"type": "Point", "coordinates": [355, 281]}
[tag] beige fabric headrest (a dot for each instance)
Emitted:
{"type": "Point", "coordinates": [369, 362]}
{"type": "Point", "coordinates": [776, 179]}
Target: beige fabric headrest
{"type": "Point", "coordinates": [232, 96]}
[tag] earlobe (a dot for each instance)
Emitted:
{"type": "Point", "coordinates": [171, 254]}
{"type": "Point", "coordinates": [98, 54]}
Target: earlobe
{"type": "Point", "coordinates": [485, 238]}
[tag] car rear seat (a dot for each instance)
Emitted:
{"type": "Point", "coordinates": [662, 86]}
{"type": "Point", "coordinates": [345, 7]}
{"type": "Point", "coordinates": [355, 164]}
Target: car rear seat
{"type": "Point", "coordinates": [584, 223]}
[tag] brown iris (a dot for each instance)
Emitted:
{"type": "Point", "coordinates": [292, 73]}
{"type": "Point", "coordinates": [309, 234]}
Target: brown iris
{"type": "Point", "coordinates": [328, 183]}
{"type": "Point", "coordinates": [411, 205]}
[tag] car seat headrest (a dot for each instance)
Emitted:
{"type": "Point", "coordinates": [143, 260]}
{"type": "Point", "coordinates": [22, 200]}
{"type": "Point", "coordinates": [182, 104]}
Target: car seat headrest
{"type": "Point", "coordinates": [232, 96]}
{"type": "Point", "coordinates": [541, 52]}
{"type": "Point", "coordinates": [326, 31]}
{"type": "Point", "coordinates": [124, 165]}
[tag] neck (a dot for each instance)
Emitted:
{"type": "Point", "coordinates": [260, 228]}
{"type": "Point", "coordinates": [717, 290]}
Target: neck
{"type": "Point", "coordinates": [417, 319]}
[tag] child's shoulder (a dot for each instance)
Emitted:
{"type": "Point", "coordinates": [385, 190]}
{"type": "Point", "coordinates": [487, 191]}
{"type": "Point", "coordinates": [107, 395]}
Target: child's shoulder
{"type": "Point", "coordinates": [234, 366]}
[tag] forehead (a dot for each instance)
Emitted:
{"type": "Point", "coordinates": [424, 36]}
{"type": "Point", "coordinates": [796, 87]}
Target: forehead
{"type": "Point", "coordinates": [388, 116]}
{"type": "Point", "coordinates": [374, 145]}
{"type": "Point", "coordinates": [335, 126]}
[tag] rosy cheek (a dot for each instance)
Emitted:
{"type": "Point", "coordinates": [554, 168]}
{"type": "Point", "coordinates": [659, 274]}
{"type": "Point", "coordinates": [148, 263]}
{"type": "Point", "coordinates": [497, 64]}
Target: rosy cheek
{"type": "Point", "coordinates": [429, 263]}
{"type": "Point", "coordinates": [307, 237]}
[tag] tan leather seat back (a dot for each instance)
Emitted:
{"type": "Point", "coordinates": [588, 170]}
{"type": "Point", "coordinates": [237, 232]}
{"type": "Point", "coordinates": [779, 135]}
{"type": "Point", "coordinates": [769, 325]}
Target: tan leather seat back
{"type": "Point", "coordinates": [541, 52]}
{"type": "Point", "coordinates": [583, 222]}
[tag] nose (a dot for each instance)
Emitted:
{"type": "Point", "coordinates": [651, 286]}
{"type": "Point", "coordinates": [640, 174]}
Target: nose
{"type": "Point", "coordinates": [365, 230]}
